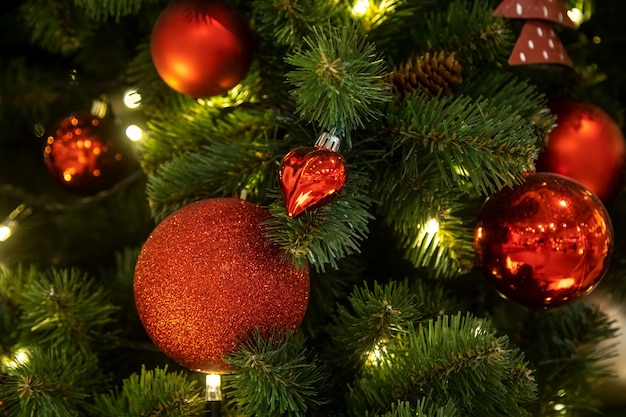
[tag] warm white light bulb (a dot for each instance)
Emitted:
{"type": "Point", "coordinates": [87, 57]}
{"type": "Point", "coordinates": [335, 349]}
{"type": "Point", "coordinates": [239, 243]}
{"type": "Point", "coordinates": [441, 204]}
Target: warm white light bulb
{"type": "Point", "coordinates": [5, 232]}
{"type": "Point", "coordinates": [431, 226]}
{"type": "Point", "coordinates": [361, 7]}
{"type": "Point", "coordinates": [20, 357]}
{"type": "Point", "coordinates": [134, 133]}
{"type": "Point", "coordinates": [132, 99]}
{"type": "Point", "coordinates": [576, 15]}
{"type": "Point", "coordinates": [213, 387]}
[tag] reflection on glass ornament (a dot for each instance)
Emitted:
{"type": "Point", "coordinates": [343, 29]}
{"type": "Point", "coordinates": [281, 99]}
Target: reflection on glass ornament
{"type": "Point", "coordinates": [310, 177]}
{"type": "Point", "coordinates": [544, 243]}
{"type": "Point", "coordinates": [85, 154]}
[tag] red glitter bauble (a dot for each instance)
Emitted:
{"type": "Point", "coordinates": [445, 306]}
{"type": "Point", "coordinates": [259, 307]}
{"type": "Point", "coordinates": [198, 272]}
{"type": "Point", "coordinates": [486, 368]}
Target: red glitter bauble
{"type": "Point", "coordinates": [544, 243]}
{"type": "Point", "coordinates": [587, 146]}
{"type": "Point", "coordinates": [310, 178]}
{"type": "Point", "coordinates": [201, 48]}
{"type": "Point", "coordinates": [86, 154]}
{"type": "Point", "coordinates": [207, 276]}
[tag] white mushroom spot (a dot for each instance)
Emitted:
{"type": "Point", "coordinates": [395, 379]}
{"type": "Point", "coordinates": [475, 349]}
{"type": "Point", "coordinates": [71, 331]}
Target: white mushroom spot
{"type": "Point", "coordinates": [551, 43]}
{"type": "Point", "coordinates": [540, 32]}
{"type": "Point", "coordinates": [560, 16]}
{"type": "Point", "coordinates": [561, 56]}
{"type": "Point", "coordinates": [545, 11]}
{"type": "Point", "coordinates": [531, 44]}
{"type": "Point", "coordinates": [518, 9]}
{"type": "Point", "coordinates": [522, 57]}
{"type": "Point", "coordinates": [545, 54]}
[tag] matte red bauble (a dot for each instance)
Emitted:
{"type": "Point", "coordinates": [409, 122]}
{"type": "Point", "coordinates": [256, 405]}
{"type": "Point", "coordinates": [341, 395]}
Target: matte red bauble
{"type": "Point", "coordinates": [544, 243]}
{"type": "Point", "coordinates": [587, 146]}
{"type": "Point", "coordinates": [201, 48]}
{"type": "Point", "coordinates": [207, 277]}
{"type": "Point", "coordinates": [311, 177]}
{"type": "Point", "coordinates": [86, 154]}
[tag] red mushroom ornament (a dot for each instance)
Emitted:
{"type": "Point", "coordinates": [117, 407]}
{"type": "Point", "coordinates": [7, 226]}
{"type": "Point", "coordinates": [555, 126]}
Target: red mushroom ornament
{"type": "Point", "coordinates": [537, 42]}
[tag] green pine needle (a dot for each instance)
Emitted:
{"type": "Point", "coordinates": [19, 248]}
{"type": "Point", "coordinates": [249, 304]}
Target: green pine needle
{"type": "Point", "coordinates": [456, 358]}
{"type": "Point", "coordinates": [153, 393]}
{"type": "Point", "coordinates": [323, 236]}
{"type": "Point", "coordinates": [49, 382]}
{"type": "Point", "coordinates": [375, 316]}
{"type": "Point", "coordinates": [338, 79]}
{"type": "Point", "coordinates": [66, 307]}
{"type": "Point", "coordinates": [274, 377]}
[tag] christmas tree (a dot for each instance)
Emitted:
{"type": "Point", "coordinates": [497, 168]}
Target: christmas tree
{"type": "Point", "coordinates": [312, 208]}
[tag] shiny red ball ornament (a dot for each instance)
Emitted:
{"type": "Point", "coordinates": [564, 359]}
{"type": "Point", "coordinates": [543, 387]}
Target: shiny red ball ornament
{"type": "Point", "coordinates": [86, 154]}
{"type": "Point", "coordinates": [201, 48]}
{"type": "Point", "coordinates": [544, 243]}
{"type": "Point", "coordinates": [311, 177]}
{"type": "Point", "coordinates": [587, 146]}
{"type": "Point", "coordinates": [207, 276]}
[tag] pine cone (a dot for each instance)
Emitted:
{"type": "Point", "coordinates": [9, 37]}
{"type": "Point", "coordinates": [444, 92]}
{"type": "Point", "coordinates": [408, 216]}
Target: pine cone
{"type": "Point", "coordinates": [428, 74]}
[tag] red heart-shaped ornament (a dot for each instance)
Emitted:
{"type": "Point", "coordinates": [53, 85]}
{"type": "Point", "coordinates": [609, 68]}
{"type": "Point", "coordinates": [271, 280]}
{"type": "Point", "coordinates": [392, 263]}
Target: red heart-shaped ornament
{"type": "Point", "coordinates": [310, 178]}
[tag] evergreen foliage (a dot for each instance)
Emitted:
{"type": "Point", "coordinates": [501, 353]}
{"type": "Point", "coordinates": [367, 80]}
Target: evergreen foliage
{"type": "Point", "coordinates": [399, 323]}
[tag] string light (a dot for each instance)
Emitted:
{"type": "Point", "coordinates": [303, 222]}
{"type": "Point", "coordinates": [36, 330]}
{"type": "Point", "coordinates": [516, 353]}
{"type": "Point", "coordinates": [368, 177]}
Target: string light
{"type": "Point", "coordinates": [131, 99]}
{"type": "Point", "coordinates": [580, 12]}
{"type": "Point", "coordinates": [361, 7]}
{"type": "Point", "coordinates": [576, 15]}
{"type": "Point", "coordinates": [20, 357]}
{"type": "Point", "coordinates": [9, 224]}
{"type": "Point", "coordinates": [432, 226]}
{"type": "Point", "coordinates": [377, 355]}
{"type": "Point", "coordinates": [134, 133]}
{"type": "Point", "coordinates": [213, 387]}
{"type": "Point", "coordinates": [213, 398]}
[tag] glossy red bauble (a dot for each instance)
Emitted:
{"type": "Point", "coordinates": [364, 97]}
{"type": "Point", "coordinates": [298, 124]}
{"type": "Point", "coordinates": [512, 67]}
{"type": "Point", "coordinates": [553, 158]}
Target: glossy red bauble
{"type": "Point", "coordinates": [207, 277]}
{"type": "Point", "coordinates": [86, 154]}
{"type": "Point", "coordinates": [201, 48]}
{"type": "Point", "coordinates": [544, 243]}
{"type": "Point", "coordinates": [311, 177]}
{"type": "Point", "coordinates": [587, 146]}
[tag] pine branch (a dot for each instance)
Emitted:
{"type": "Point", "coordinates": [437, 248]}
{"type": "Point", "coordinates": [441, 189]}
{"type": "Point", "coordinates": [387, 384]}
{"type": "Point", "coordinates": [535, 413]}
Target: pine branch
{"type": "Point", "coordinates": [338, 79]}
{"type": "Point", "coordinates": [51, 382]}
{"type": "Point", "coordinates": [26, 92]}
{"type": "Point", "coordinates": [65, 307]}
{"type": "Point", "coordinates": [468, 29]}
{"type": "Point", "coordinates": [56, 25]}
{"type": "Point", "coordinates": [12, 284]}
{"type": "Point", "coordinates": [422, 408]}
{"type": "Point", "coordinates": [442, 244]}
{"type": "Point", "coordinates": [223, 169]}
{"type": "Point", "coordinates": [152, 393]}
{"type": "Point", "coordinates": [456, 358]}
{"type": "Point", "coordinates": [509, 91]}
{"type": "Point", "coordinates": [194, 124]}
{"type": "Point", "coordinates": [325, 235]}
{"type": "Point", "coordinates": [274, 376]}
{"type": "Point", "coordinates": [473, 142]}
{"type": "Point", "coordinates": [571, 363]}
{"type": "Point", "coordinates": [375, 316]}
{"type": "Point", "coordinates": [288, 22]}
{"type": "Point", "coordinates": [100, 10]}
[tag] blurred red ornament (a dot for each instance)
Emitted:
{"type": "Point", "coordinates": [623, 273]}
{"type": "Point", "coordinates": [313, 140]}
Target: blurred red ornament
{"type": "Point", "coordinates": [311, 177]}
{"type": "Point", "coordinates": [207, 277]}
{"type": "Point", "coordinates": [587, 146]}
{"type": "Point", "coordinates": [201, 48]}
{"type": "Point", "coordinates": [86, 154]}
{"type": "Point", "coordinates": [544, 243]}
